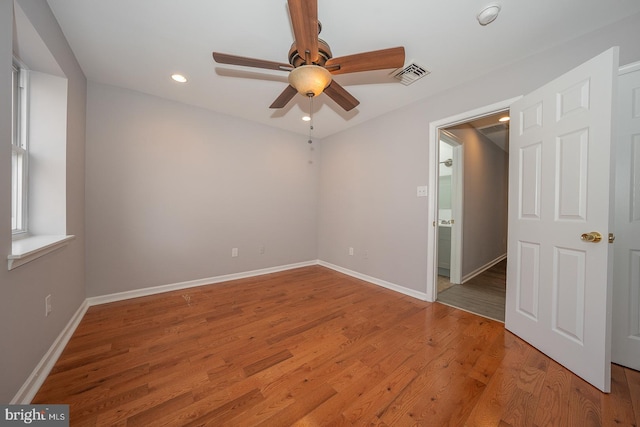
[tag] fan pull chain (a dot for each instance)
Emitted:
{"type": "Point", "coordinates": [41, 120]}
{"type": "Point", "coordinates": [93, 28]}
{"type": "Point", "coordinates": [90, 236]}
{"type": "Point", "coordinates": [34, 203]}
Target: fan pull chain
{"type": "Point", "coordinates": [310, 118]}
{"type": "Point", "coordinates": [310, 129]}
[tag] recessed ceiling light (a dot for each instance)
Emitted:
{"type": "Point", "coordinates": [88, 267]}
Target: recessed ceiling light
{"type": "Point", "coordinates": [504, 119]}
{"type": "Point", "coordinates": [179, 78]}
{"type": "Point", "coordinates": [306, 118]}
{"type": "Point", "coordinates": [488, 14]}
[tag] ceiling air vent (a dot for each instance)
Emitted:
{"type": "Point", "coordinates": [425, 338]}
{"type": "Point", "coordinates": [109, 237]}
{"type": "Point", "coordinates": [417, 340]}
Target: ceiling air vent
{"type": "Point", "coordinates": [411, 73]}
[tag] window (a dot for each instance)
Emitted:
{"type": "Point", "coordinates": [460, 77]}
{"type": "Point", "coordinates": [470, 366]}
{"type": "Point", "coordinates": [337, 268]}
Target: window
{"type": "Point", "coordinates": [38, 147]}
{"type": "Point", "coordinates": [19, 152]}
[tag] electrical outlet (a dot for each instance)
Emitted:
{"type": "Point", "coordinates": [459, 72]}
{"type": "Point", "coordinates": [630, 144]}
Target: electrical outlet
{"type": "Point", "coordinates": [350, 251]}
{"type": "Point", "coordinates": [261, 249]}
{"type": "Point", "coordinates": [422, 191]}
{"type": "Point", "coordinates": [47, 305]}
{"type": "Point", "coordinates": [234, 252]}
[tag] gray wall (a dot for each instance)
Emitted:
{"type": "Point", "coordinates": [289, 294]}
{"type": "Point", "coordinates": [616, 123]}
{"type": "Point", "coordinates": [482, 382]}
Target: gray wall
{"type": "Point", "coordinates": [26, 334]}
{"type": "Point", "coordinates": [171, 189]}
{"type": "Point", "coordinates": [485, 200]}
{"type": "Point", "coordinates": [370, 173]}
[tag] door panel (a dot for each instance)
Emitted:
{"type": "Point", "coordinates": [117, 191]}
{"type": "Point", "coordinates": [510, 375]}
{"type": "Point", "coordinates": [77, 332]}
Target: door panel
{"type": "Point", "coordinates": [626, 291]}
{"type": "Point", "coordinates": [530, 173]}
{"type": "Point", "coordinates": [571, 172]}
{"type": "Point", "coordinates": [568, 293]}
{"type": "Point", "coordinates": [528, 285]}
{"type": "Point", "coordinates": [559, 287]}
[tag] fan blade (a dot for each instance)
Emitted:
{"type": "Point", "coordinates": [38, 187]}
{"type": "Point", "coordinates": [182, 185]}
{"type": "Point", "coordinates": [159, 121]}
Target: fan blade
{"type": "Point", "coordinates": [367, 61]}
{"type": "Point", "coordinates": [304, 18]}
{"type": "Point", "coordinates": [284, 98]}
{"type": "Point", "coordinates": [341, 96]}
{"type": "Point", "coordinates": [224, 58]}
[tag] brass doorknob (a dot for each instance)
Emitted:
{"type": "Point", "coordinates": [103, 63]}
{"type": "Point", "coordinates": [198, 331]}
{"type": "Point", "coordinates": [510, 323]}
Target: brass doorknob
{"type": "Point", "coordinates": [593, 237]}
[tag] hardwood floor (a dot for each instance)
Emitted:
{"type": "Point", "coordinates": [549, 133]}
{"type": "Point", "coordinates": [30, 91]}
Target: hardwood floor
{"type": "Point", "coordinates": [484, 294]}
{"type": "Point", "coordinates": [313, 347]}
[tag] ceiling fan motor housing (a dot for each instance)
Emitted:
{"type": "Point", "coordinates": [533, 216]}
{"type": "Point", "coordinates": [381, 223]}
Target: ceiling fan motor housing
{"type": "Point", "coordinates": [297, 60]}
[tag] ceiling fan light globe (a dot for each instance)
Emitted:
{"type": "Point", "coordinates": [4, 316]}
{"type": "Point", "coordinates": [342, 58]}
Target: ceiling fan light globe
{"type": "Point", "coordinates": [310, 80]}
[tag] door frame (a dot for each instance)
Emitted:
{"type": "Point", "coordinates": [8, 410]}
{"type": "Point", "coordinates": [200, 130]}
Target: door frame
{"type": "Point", "coordinates": [434, 141]}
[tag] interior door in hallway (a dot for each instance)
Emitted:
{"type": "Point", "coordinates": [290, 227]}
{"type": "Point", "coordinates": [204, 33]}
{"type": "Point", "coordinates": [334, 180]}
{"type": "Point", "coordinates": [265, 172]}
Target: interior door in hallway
{"type": "Point", "coordinates": [560, 191]}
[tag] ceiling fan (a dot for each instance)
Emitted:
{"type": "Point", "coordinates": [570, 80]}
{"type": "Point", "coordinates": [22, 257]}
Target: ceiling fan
{"type": "Point", "coordinates": [311, 64]}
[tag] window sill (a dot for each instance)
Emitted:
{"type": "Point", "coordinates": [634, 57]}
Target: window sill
{"type": "Point", "coordinates": [30, 248]}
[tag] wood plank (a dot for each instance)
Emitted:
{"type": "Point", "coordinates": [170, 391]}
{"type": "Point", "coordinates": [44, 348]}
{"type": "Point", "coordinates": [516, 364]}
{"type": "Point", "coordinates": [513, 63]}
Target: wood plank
{"type": "Point", "coordinates": [585, 407]}
{"type": "Point", "coordinates": [633, 382]}
{"type": "Point", "coordinates": [267, 362]}
{"type": "Point", "coordinates": [311, 346]}
{"type": "Point", "coordinates": [618, 411]}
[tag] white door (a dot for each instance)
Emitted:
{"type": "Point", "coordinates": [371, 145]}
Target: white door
{"type": "Point", "coordinates": [625, 344]}
{"type": "Point", "coordinates": [558, 285]}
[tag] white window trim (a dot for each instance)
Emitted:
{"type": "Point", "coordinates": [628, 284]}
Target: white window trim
{"type": "Point", "coordinates": [31, 248]}
{"type": "Point", "coordinates": [19, 145]}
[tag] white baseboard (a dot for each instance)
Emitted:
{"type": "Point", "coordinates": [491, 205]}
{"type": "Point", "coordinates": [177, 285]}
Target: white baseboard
{"type": "Point", "coordinates": [29, 389]}
{"type": "Point", "coordinates": [479, 271]}
{"type": "Point", "coordinates": [392, 286]}
{"type": "Point", "coordinates": [42, 370]}
{"type": "Point", "coordinates": [120, 296]}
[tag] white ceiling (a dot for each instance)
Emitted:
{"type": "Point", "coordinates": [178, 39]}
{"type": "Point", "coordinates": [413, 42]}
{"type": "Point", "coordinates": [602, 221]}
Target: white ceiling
{"type": "Point", "coordinates": [138, 44]}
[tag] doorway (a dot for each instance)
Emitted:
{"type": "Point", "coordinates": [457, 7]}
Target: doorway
{"type": "Point", "coordinates": [481, 248]}
{"type": "Point", "coordinates": [480, 232]}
